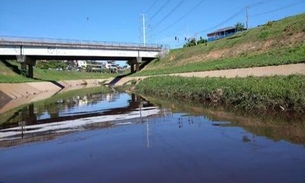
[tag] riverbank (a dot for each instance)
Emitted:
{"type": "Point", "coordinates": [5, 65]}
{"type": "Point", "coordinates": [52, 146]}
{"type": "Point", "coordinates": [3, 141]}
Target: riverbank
{"type": "Point", "coordinates": [252, 94]}
{"type": "Point", "coordinates": [280, 70]}
{"type": "Point", "coordinates": [258, 70]}
{"type": "Point", "coordinates": [15, 94]}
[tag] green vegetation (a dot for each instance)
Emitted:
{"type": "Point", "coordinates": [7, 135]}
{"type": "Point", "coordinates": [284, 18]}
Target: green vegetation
{"type": "Point", "coordinates": [275, 43]}
{"type": "Point", "coordinates": [278, 93]}
{"type": "Point", "coordinates": [8, 76]}
{"type": "Point", "coordinates": [68, 75]}
{"type": "Point", "coordinates": [10, 73]}
{"type": "Point", "coordinates": [193, 42]}
{"type": "Point", "coordinates": [52, 64]}
{"type": "Point", "coordinates": [239, 26]}
{"type": "Point", "coordinates": [275, 57]}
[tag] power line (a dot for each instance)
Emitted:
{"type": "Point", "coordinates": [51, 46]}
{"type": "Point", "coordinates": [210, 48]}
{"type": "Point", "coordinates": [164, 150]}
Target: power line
{"type": "Point", "coordinates": [181, 18]}
{"type": "Point", "coordinates": [237, 13]}
{"type": "Point", "coordinates": [172, 11]}
{"type": "Point", "coordinates": [152, 5]}
{"type": "Point", "coordinates": [160, 9]}
{"type": "Point", "coordinates": [260, 3]}
{"type": "Point", "coordinates": [278, 9]}
{"type": "Point", "coordinates": [223, 22]}
{"type": "Point", "coordinates": [234, 15]}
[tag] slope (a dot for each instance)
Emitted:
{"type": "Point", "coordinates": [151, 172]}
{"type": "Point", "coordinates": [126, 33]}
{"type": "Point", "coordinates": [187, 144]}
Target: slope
{"type": "Point", "coordinates": [274, 43]}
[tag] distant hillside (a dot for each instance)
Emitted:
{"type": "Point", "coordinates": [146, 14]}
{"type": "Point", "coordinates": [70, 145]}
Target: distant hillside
{"type": "Point", "coordinates": [274, 43]}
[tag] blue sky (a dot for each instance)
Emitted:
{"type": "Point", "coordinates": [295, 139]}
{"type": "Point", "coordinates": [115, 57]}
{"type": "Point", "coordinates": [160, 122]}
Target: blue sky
{"type": "Point", "coordinates": [121, 21]}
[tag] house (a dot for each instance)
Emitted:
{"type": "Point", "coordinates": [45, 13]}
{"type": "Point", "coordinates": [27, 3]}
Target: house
{"type": "Point", "coordinates": [82, 64]}
{"type": "Point", "coordinates": [221, 33]}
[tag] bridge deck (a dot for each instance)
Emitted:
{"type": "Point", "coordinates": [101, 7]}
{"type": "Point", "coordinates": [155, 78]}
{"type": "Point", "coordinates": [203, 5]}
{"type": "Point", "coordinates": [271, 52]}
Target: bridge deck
{"type": "Point", "coordinates": [60, 43]}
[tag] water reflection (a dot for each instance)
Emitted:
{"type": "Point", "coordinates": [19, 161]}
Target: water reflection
{"type": "Point", "coordinates": [78, 112]}
{"type": "Point", "coordinates": [279, 127]}
{"type": "Point", "coordinates": [73, 107]}
{"type": "Point", "coordinates": [86, 110]}
{"type": "Point", "coordinates": [170, 143]}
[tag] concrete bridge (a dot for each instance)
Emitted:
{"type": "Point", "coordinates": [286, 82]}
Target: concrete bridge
{"type": "Point", "coordinates": [27, 51]}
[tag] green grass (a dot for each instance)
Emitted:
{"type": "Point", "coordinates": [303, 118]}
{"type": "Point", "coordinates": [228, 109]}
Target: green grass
{"type": "Point", "coordinates": [7, 75]}
{"type": "Point", "coordinates": [14, 79]}
{"type": "Point", "coordinates": [66, 75]}
{"type": "Point", "coordinates": [275, 43]}
{"type": "Point", "coordinates": [274, 57]}
{"type": "Point", "coordinates": [251, 94]}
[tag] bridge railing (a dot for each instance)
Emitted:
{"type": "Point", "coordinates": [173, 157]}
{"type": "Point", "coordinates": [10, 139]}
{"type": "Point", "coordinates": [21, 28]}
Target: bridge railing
{"type": "Point", "coordinates": [32, 40]}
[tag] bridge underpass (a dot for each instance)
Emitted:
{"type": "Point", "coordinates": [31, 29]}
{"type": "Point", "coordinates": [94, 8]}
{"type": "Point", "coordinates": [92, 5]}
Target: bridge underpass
{"type": "Point", "coordinates": [27, 51]}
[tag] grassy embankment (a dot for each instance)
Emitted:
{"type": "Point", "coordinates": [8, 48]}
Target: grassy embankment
{"type": "Point", "coordinates": [276, 43]}
{"type": "Point", "coordinates": [278, 93]}
{"type": "Point", "coordinates": [7, 75]}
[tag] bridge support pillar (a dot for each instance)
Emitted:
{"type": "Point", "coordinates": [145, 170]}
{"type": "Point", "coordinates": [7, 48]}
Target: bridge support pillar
{"type": "Point", "coordinates": [132, 70]}
{"type": "Point", "coordinates": [135, 64]}
{"type": "Point", "coordinates": [30, 71]}
{"type": "Point", "coordinates": [26, 61]}
{"type": "Point", "coordinates": [139, 60]}
{"type": "Point", "coordinates": [23, 69]}
{"type": "Point", "coordinates": [137, 67]}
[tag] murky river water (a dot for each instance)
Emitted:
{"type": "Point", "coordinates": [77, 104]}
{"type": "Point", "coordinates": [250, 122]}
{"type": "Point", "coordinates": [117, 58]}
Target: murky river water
{"type": "Point", "coordinates": [119, 137]}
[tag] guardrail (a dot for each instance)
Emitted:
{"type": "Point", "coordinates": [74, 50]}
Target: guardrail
{"type": "Point", "coordinates": [84, 43]}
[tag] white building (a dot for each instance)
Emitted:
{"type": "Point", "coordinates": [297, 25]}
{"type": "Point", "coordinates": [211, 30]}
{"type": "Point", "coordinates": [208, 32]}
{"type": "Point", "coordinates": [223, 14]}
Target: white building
{"type": "Point", "coordinates": [82, 64]}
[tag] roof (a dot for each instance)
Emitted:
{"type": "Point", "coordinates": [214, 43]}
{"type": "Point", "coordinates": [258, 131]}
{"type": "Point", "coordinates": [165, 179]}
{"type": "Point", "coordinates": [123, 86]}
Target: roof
{"type": "Point", "coordinates": [222, 30]}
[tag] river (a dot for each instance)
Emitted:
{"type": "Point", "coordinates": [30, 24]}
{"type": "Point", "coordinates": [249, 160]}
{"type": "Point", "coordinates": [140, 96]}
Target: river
{"type": "Point", "coordinates": [88, 136]}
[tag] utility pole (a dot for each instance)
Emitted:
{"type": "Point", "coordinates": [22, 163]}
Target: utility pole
{"type": "Point", "coordinates": [144, 29]}
{"type": "Point", "coordinates": [247, 17]}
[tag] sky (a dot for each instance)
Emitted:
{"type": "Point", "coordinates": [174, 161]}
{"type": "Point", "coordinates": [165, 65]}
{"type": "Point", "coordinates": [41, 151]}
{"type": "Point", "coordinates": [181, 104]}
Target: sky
{"type": "Point", "coordinates": [125, 20]}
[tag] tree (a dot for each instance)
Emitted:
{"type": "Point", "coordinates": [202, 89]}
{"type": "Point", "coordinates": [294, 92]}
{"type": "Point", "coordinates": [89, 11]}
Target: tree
{"type": "Point", "coordinates": [239, 26]}
{"type": "Point", "coordinates": [51, 64]}
{"type": "Point", "coordinates": [190, 42]}
{"type": "Point", "coordinates": [202, 41]}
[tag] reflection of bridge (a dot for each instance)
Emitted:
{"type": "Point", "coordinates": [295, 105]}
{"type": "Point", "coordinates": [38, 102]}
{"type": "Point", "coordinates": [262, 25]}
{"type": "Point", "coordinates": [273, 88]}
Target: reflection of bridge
{"type": "Point", "coordinates": [29, 117]}
{"type": "Point", "coordinates": [27, 51]}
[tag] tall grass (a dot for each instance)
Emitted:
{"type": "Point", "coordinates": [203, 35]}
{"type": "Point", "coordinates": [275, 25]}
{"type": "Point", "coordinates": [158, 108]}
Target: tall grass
{"type": "Point", "coordinates": [278, 93]}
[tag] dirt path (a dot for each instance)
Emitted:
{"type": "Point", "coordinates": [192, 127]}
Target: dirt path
{"type": "Point", "coordinates": [283, 70]}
